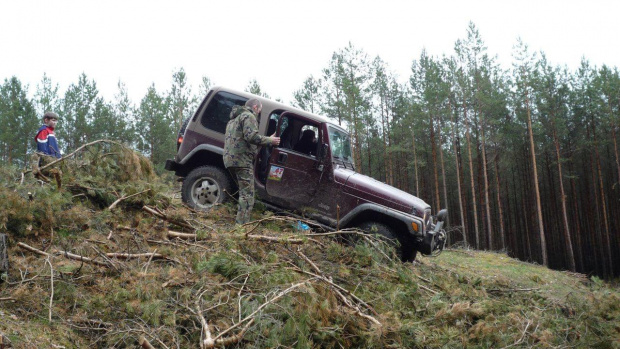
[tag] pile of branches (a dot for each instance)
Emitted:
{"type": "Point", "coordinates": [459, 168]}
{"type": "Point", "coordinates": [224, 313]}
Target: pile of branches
{"type": "Point", "coordinates": [65, 192]}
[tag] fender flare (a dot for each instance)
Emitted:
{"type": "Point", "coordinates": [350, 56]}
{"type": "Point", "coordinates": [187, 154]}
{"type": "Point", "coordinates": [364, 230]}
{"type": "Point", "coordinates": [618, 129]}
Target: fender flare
{"type": "Point", "coordinates": [400, 216]}
{"type": "Point", "coordinates": [207, 147]}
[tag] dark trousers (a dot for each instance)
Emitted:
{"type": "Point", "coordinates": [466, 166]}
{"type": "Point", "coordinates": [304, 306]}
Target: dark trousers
{"type": "Point", "coordinates": [245, 181]}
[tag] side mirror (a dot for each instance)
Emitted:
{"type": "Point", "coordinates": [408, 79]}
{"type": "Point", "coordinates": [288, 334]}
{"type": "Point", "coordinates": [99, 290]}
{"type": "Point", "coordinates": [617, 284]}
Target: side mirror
{"type": "Point", "coordinates": [441, 215]}
{"type": "Point", "coordinates": [323, 152]}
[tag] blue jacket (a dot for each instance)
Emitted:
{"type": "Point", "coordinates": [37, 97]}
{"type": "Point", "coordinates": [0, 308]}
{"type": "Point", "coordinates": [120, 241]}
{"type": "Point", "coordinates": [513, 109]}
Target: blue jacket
{"type": "Point", "coordinates": [46, 142]}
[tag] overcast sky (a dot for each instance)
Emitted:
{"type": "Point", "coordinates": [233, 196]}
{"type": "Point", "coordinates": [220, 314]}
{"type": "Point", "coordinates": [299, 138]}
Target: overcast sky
{"type": "Point", "coordinates": [279, 43]}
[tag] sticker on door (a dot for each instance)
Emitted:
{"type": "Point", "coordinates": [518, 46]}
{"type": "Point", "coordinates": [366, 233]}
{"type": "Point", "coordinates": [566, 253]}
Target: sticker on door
{"type": "Point", "coordinates": [275, 173]}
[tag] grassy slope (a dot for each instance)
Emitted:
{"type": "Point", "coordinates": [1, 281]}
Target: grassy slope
{"type": "Point", "coordinates": [461, 298]}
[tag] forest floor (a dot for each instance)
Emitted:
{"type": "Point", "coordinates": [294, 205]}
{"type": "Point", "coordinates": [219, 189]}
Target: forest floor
{"type": "Point", "coordinates": [93, 266]}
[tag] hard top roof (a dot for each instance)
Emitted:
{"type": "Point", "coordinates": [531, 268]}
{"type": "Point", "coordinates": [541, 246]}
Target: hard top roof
{"type": "Point", "coordinates": [272, 105]}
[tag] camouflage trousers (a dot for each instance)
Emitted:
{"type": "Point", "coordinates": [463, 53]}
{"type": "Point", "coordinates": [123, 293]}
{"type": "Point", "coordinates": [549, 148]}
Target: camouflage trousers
{"type": "Point", "coordinates": [245, 181]}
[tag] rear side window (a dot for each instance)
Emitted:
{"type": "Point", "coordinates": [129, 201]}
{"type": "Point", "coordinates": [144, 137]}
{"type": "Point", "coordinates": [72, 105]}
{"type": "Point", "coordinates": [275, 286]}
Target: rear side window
{"type": "Point", "coordinates": [217, 114]}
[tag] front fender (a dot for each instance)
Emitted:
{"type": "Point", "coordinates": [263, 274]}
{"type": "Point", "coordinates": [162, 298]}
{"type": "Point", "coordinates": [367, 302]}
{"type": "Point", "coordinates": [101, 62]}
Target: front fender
{"type": "Point", "coordinates": [369, 209]}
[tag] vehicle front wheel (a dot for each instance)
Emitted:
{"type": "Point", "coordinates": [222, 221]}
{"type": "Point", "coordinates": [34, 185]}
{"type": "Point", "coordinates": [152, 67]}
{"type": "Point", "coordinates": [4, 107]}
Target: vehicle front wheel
{"type": "Point", "coordinates": [205, 187]}
{"type": "Point", "coordinates": [404, 248]}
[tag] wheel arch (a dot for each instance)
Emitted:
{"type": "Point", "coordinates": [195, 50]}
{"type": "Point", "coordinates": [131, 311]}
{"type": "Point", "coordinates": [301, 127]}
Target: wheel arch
{"type": "Point", "coordinates": [368, 214]}
{"type": "Point", "coordinates": [202, 158]}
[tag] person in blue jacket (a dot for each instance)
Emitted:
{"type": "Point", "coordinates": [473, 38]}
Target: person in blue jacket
{"type": "Point", "coordinates": [45, 138]}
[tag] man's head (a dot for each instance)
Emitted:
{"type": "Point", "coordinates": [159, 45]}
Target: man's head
{"type": "Point", "coordinates": [50, 119]}
{"type": "Point", "coordinates": [255, 105]}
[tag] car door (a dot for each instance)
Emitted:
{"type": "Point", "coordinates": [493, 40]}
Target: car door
{"type": "Point", "coordinates": [293, 176]}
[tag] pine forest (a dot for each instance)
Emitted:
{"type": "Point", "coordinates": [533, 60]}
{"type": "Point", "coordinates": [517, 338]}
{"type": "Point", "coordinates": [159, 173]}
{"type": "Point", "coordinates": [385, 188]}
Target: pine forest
{"type": "Point", "coordinates": [525, 158]}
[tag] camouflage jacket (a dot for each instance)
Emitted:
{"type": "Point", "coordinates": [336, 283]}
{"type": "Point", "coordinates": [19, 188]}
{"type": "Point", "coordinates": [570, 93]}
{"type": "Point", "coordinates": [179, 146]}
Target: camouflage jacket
{"type": "Point", "coordinates": [242, 138]}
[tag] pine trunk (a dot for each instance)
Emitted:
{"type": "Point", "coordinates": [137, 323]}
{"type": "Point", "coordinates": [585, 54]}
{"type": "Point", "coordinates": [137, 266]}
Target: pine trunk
{"type": "Point", "coordinates": [567, 238]}
{"type": "Point", "coordinates": [457, 159]}
{"type": "Point", "coordinates": [415, 165]}
{"type": "Point", "coordinates": [502, 233]}
{"type": "Point", "coordinates": [445, 187]}
{"type": "Point", "coordinates": [543, 243]}
{"type": "Point", "coordinates": [486, 189]}
{"type": "Point", "coordinates": [473, 188]}
{"type": "Point", "coordinates": [613, 132]}
{"type": "Point", "coordinates": [434, 152]}
{"type": "Point", "coordinates": [607, 241]}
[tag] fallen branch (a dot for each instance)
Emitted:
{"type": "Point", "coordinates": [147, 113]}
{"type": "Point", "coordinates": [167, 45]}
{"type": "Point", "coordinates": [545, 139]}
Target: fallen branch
{"type": "Point", "coordinates": [163, 216]}
{"type": "Point", "coordinates": [144, 343]}
{"type": "Point", "coordinates": [51, 289]}
{"type": "Point", "coordinates": [337, 289]}
{"type": "Point", "coordinates": [124, 198]}
{"type": "Point", "coordinates": [74, 152]}
{"type": "Point", "coordinates": [82, 258]}
{"type": "Point", "coordinates": [428, 289]}
{"type": "Point", "coordinates": [229, 340]}
{"type": "Point", "coordinates": [135, 255]}
{"type": "Point", "coordinates": [265, 238]}
{"type": "Point", "coordinates": [176, 234]}
{"type": "Point", "coordinates": [65, 254]}
{"type": "Point", "coordinates": [32, 249]}
{"type": "Point", "coordinates": [7, 299]}
{"type": "Point", "coordinates": [86, 325]}
{"type": "Point", "coordinates": [340, 288]}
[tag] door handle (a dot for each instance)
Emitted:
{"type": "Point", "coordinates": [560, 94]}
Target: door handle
{"type": "Point", "coordinates": [282, 158]}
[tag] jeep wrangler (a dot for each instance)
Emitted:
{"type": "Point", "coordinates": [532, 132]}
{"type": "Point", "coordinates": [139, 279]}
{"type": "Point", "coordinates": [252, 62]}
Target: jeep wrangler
{"type": "Point", "coordinates": [311, 173]}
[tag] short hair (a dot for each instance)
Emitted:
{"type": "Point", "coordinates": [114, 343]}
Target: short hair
{"type": "Point", "coordinates": [253, 103]}
{"type": "Point", "coordinates": [50, 115]}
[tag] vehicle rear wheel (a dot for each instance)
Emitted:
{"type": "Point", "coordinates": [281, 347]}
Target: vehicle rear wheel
{"type": "Point", "coordinates": [205, 187]}
{"type": "Point", "coordinates": [404, 248]}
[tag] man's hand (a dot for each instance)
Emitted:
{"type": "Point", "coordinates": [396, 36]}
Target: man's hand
{"type": "Point", "coordinates": [274, 140]}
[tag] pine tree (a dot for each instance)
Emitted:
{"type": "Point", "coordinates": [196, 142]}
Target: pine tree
{"type": "Point", "coordinates": [19, 122]}
{"type": "Point", "coordinates": [525, 73]}
{"type": "Point", "coordinates": [156, 127]}
{"type": "Point", "coordinates": [308, 97]}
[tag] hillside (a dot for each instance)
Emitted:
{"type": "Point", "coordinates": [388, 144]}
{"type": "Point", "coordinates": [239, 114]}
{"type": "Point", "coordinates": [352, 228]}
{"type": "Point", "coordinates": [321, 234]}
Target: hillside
{"type": "Point", "coordinates": [161, 275]}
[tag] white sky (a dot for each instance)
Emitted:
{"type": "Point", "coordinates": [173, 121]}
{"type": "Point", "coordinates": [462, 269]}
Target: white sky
{"type": "Point", "coordinates": [279, 42]}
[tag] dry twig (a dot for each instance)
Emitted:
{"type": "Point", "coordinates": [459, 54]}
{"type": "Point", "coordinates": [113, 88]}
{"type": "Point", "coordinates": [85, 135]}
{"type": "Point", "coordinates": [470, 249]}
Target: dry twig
{"type": "Point", "coordinates": [156, 212]}
{"type": "Point", "coordinates": [150, 255]}
{"type": "Point", "coordinates": [52, 289]}
{"type": "Point", "coordinates": [65, 254]}
{"type": "Point", "coordinates": [124, 198]}
{"type": "Point", "coordinates": [144, 343]}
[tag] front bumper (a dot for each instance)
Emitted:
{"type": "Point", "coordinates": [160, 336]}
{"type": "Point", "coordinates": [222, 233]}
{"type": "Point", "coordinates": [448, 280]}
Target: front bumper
{"type": "Point", "coordinates": [435, 236]}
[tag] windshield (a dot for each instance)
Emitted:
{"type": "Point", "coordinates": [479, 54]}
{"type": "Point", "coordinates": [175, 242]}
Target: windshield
{"type": "Point", "coordinates": [340, 145]}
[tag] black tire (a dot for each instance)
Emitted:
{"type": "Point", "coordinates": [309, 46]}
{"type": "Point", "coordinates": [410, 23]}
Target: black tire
{"type": "Point", "coordinates": [404, 247]}
{"type": "Point", "coordinates": [205, 187]}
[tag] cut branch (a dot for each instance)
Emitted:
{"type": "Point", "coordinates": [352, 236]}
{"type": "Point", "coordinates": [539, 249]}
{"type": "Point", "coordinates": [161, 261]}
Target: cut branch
{"type": "Point", "coordinates": [32, 249]}
{"type": "Point", "coordinates": [176, 234]}
{"type": "Point", "coordinates": [285, 240]}
{"type": "Point", "coordinates": [65, 254]}
{"type": "Point", "coordinates": [163, 216]}
{"type": "Point", "coordinates": [124, 198]}
{"type": "Point", "coordinates": [75, 152]}
{"type": "Point", "coordinates": [251, 316]}
{"type": "Point", "coordinates": [144, 343]}
{"type": "Point", "coordinates": [135, 255]}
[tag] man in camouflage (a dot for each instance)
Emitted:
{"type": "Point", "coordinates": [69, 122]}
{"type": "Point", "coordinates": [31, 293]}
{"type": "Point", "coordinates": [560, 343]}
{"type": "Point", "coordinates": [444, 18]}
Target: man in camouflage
{"type": "Point", "coordinates": [240, 147]}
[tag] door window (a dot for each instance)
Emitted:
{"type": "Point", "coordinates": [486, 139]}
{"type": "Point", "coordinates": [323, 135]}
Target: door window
{"type": "Point", "coordinates": [217, 113]}
{"type": "Point", "coordinates": [298, 135]}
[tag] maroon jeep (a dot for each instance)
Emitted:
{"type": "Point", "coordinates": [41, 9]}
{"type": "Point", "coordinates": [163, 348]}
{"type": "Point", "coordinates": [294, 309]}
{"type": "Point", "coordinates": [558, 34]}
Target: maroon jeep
{"type": "Point", "coordinates": [311, 173]}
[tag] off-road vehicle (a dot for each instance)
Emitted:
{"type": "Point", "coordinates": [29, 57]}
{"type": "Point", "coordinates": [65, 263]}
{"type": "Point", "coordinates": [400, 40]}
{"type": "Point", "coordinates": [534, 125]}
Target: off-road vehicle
{"type": "Point", "coordinates": [310, 173]}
